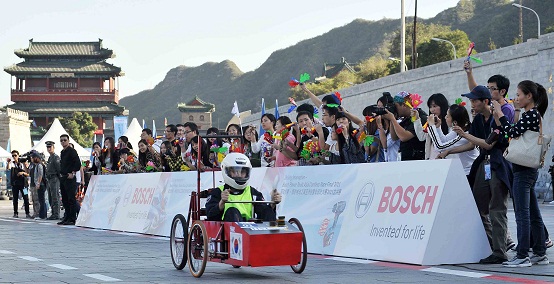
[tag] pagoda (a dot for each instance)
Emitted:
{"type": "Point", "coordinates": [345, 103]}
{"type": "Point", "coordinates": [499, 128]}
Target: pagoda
{"type": "Point", "coordinates": [197, 111]}
{"type": "Point", "coordinates": [57, 79]}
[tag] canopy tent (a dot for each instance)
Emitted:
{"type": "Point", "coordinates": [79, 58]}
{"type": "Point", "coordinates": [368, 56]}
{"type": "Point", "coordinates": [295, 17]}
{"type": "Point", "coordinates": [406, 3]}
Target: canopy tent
{"type": "Point", "coordinates": [53, 134]}
{"type": "Point", "coordinates": [4, 153]}
{"type": "Point", "coordinates": [133, 133]}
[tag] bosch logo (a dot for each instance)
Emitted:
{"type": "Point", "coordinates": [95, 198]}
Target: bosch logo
{"type": "Point", "coordinates": [365, 197]}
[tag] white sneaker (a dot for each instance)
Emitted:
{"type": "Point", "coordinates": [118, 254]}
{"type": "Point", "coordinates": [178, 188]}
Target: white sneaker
{"type": "Point", "coordinates": [540, 260]}
{"type": "Point", "coordinates": [517, 262]}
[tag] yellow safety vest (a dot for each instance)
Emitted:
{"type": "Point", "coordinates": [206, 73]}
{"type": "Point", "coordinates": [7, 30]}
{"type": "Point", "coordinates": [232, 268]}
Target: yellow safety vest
{"type": "Point", "coordinates": [245, 209]}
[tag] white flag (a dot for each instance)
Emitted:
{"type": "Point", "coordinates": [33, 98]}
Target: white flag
{"type": "Point", "coordinates": [235, 109]}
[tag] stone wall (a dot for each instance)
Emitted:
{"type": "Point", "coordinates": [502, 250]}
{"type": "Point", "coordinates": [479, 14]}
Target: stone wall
{"type": "Point", "coordinates": [533, 60]}
{"type": "Point", "coordinates": [15, 126]}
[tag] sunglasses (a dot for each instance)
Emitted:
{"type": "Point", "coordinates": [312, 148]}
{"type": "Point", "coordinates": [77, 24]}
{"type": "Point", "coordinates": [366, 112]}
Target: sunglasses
{"type": "Point", "coordinates": [14, 156]}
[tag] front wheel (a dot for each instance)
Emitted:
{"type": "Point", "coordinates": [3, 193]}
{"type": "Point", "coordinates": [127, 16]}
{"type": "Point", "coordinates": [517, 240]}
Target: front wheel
{"type": "Point", "coordinates": [299, 268]}
{"type": "Point", "coordinates": [197, 249]}
{"type": "Point", "coordinates": [178, 240]}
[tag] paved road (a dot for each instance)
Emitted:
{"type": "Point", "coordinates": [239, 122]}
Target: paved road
{"type": "Point", "coordinates": [42, 252]}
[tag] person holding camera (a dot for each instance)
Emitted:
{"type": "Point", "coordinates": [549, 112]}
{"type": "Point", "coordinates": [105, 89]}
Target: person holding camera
{"type": "Point", "coordinates": [411, 148]}
{"type": "Point", "coordinates": [18, 178]}
{"type": "Point", "coordinates": [491, 172]}
{"type": "Point", "coordinates": [171, 162]}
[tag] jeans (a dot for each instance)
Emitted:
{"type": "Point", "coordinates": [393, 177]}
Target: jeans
{"type": "Point", "coordinates": [15, 191]}
{"type": "Point", "coordinates": [528, 214]}
{"type": "Point", "coordinates": [42, 201]}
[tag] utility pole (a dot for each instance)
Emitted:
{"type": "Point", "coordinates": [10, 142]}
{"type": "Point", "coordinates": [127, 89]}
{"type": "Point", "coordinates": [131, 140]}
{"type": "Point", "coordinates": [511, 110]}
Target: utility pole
{"type": "Point", "coordinates": [521, 21]}
{"type": "Point", "coordinates": [414, 40]}
{"type": "Point", "coordinates": [402, 38]}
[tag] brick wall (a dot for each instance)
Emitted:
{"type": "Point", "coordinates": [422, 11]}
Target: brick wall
{"type": "Point", "coordinates": [15, 125]}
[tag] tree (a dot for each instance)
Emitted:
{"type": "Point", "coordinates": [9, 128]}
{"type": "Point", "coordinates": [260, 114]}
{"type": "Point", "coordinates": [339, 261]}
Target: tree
{"type": "Point", "coordinates": [80, 127]}
{"type": "Point", "coordinates": [431, 52]}
{"type": "Point", "coordinates": [549, 29]}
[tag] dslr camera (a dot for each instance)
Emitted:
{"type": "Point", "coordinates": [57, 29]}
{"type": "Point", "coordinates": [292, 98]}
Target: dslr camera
{"type": "Point", "coordinates": [388, 106]}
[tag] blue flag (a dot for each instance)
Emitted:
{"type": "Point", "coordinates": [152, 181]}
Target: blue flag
{"type": "Point", "coordinates": [262, 131]}
{"type": "Point", "coordinates": [276, 109]}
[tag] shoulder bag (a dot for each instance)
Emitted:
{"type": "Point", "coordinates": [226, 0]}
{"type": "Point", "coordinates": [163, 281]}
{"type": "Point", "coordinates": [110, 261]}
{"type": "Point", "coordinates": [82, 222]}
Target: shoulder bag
{"type": "Point", "coordinates": [528, 149]}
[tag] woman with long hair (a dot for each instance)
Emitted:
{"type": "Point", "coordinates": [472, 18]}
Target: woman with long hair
{"type": "Point", "coordinates": [204, 153]}
{"type": "Point", "coordinates": [284, 147]}
{"type": "Point", "coordinates": [97, 164]}
{"type": "Point", "coordinates": [438, 106]}
{"type": "Point", "coordinates": [171, 162]}
{"type": "Point", "coordinates": [389, 145]}
{"type": "Point", "coordinates": [456, 115]}
{"type": "Point", "coordinates": [533, 100]}
{"type": "Point", "coordinates": [109, 154]}
{"type": "Point", "coordinates": [147, 155]}
{"type": "Point", "coordinates": [350, 149]}
{"type": "Point", "coordinates": [263, 145]}
{"type": "Point", "coordinates": [250, 134]}
{"type": "Point", "coordinates": [234, 144]}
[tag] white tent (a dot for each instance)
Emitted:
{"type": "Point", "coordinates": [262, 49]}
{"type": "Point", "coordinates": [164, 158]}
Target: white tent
{"type": "Point", "coordinates": [4, 153]}
{"type": "Point", "coordinates": [53, 134]}
{"type": "Point", "coordinates": [133, 133]}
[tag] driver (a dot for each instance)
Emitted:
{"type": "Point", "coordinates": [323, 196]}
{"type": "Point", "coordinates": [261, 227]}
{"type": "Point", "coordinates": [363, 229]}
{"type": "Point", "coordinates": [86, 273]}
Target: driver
{"type": "Point", "coordinates": [236, 169]}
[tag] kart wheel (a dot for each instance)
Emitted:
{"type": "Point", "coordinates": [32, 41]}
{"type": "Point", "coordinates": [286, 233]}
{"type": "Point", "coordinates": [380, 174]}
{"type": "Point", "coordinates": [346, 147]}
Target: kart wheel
{"type": "Point", "coordinates": [197, 249]}
{"type": "Point", "coordinates": [178, 240]}
{"type": "Point", "coordinates": [299, 268]}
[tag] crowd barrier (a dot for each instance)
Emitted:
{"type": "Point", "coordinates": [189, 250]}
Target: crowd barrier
{"type": "Point", "coordinates": [418, 212]}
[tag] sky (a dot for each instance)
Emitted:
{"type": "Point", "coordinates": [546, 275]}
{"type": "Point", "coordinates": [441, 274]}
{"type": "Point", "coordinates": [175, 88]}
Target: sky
{"type": "Point", "coordinates": [151, 37]}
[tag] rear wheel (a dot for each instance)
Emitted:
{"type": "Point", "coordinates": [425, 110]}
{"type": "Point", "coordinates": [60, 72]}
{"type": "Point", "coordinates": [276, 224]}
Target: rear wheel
{"type": "Point", "coordinates": [299, 268]}
{"type": "Point", "coordinates": [197, 249]}
{"type": "Point", "coordinates": [178, 240]}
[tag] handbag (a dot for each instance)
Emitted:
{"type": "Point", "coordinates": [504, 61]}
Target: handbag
{"type": "Point", "coordinates": [528, 149]}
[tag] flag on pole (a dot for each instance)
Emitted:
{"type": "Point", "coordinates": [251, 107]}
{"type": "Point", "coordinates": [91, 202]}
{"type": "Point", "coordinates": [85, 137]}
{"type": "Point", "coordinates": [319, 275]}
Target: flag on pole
{"type": "Point", "coordinates": [262, 131]}
{"type": "Point", "coordinates": [276, 109]}
{"type": "Point", "coordinates": [143, 124]}
{"type": "Point", "coordinates": [165, 121]}
{"type": "Point", "coordinates": [235, 109]}
{"type": "Point", "coordinates": [154, 129]}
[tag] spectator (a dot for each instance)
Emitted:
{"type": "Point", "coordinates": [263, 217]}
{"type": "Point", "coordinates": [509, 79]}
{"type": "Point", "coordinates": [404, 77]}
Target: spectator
{"type": "Point", "coordinates": [147, 154]}
{"type": "Point", "coordinates": [250, 136]}
{"type": "Point", "coordinates": [438, 106]}
{"type": "Point", "coordinates": [263, 145]}
{"type": "Point", "coordinates": [533, 99]}
{"type": "Point", "coordinates": [235, 145]}
{"type": "Point", "coordinates": [456, 116]}
{"type": "Point", "coordinates": [410, 146]}
{"type": "Point", "coordinates": [214, 146]}
{"type": "Point", "coordinates": [18, 177]}
{"type": "Point", "coordinates": [284, 146]}
{"type": "Point", "coordinates": [350, 150]}
{"type": "Point", "coordinates": [109, 155]}
{"type": "Point", "coordinates": [204, 153]}
{"type": "Point", "coordinates": [97, 164]}
{"type": "Point", "coordinates": [492, 173]}
{"type": "Point", "coordinates": [390, 146]}
{"type": "Point", "coordinates": [171, 136]}
{"type": "Point", "coordinates": [171, 162]}
{"type": "Point", "coordinates": [310, 139]}
{"type": "Point", "coordinates": [38, 182]}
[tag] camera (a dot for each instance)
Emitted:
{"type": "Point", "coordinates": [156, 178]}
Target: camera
{"type": "Point", "coordinates": [383, 110]}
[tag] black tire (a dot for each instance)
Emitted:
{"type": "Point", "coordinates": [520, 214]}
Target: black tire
{"type": "Point", "coordinates": [299, 268]}
{"type": "Point", "coordinates": [178, 240]}
{"type": "Point", "coordinates": [197, 248]}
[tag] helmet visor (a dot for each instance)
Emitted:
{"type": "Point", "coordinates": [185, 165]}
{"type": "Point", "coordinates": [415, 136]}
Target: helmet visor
{"type": "Point", "coordinates": [239, 174]}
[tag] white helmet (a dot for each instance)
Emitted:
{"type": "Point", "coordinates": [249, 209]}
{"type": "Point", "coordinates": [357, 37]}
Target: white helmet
{"type": "Point", "coordinates": [236, 169]}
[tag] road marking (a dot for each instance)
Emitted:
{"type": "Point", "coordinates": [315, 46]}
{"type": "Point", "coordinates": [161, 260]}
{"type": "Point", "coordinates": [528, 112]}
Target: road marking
{"type": "Point", "coordinates": [102, 277]}
{"type": "Point", "coordinates": [62, 266]}
{"type": "Point", "coordinates": [128, 234]}
{"type": "Point", "coordinates": [160, 238]}
{"type": "Point", "coordinates": [456, 272]}
{"type": "Point", "coordinates": [30, 258]}
{"type": "Point", "coordinates": [25, 222]}
{"type": "Point", "coordinates": [353, 260]}
{"type": "Point", "coordinates": [8, 220]}
{"type": "Point", "coordinates": [6, 252]}
{"type": "Point", "coordinates": [46, 223]}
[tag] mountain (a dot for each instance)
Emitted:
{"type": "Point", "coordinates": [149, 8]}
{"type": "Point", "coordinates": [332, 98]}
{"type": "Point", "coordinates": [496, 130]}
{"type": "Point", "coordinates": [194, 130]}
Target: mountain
{"type": "Point", "coordinates": [223, 83]}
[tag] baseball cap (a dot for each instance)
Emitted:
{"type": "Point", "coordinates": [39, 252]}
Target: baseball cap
{"type": "Point", "coordinates": [479, 92]}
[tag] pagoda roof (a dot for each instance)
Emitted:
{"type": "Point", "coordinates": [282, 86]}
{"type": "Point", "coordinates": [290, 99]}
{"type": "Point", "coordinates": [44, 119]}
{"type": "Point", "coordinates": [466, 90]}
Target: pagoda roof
{"type": "Point", "coordinates": [54, 108]}
{"type": "Point", "coordinates": [65, 49]}
{"type": "Point", "coordinates": [196, 105]}
{"type": "Point", "coordinates": [333, 69]}
{"type": "Point", "coordinates": [30, 67]}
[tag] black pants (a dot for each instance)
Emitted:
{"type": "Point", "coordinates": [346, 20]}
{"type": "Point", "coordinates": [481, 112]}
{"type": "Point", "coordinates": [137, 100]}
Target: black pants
{"type": "Point", "coordinates": [15, 192]}
{"type": "Point", "coordinates": [263, 212]}
{"type": "Point", "coordinates": [68, 188]}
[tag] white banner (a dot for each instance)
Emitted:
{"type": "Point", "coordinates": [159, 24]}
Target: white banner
{"type": "Point", "coordinates": [403, 212]}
